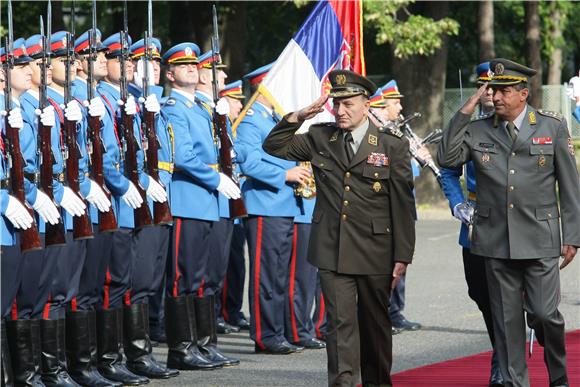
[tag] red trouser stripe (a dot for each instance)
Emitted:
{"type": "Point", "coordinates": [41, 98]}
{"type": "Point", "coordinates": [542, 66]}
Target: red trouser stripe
{"type": "Point", "coordinates": [292, 285]}
{"type": "Point", "coordinates": [177, 273]}
{"type": "Point", "coordinates": [14, 310]}
{"type": "Point", "coordinates": [225, 300]}
{"type": "Point", "coordinates": [257, 284]}
{"type": "Point", "coordinates": [73, 304]}
{"type": "Point", "coordinates": [320, 315]}
{"type": "Point", "coordinates": [128, 297]}
{"type": "Point", "coordinates": [46, 309]}
{"type": "Point", "coordinates": [106, 296]}
{"type": "Point", "coordinates": [200, 290]}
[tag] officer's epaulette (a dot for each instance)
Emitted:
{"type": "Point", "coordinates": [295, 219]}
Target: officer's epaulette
{"type": "Point", "coordinates": [551, 114]}
{"type": "Point", "coordinates": [483, 117]}
{"type": "Point", "coordinates": [396, 132]}
{"type": "Point", "coordinates": [170, 101]}
{"type": "Point", "coordinates": [250, 112]}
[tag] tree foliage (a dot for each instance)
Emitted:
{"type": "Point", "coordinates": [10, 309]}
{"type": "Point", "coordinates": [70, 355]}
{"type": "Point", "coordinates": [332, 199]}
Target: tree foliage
{"type": "Point", "coordinates": [409, 34]}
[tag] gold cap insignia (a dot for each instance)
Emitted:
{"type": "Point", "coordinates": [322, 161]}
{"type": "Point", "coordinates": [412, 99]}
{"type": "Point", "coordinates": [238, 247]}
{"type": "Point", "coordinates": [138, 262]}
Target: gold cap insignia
{"type": "Point", "coordinates": [340, 79]}
{"type": "Point", "coordinates": [499, 69]}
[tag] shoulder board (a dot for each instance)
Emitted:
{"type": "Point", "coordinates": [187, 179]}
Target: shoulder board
{"type": "Point", "coordinates": [484, 117]}
{"type": "Point", "coordinates": [170, 101]}
{"type": "Point", "coordinates": [551, 114]}
{"type": "Point", "coordinates": [250, 112]}
{"type": "Point", "coordinates": [395, 132]}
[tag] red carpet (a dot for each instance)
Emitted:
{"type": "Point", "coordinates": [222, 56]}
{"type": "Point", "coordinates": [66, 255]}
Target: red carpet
{"type": "Point", "coordinates": [474, 370]}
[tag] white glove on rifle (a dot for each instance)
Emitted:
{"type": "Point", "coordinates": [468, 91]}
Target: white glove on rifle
{"type": "Point", "coordinates": [152, 104]}
{"type": "Point", "coordinates": [132, 197]}
{"type": "Point", "coordinates": [98, 198]}
{"type": "Point", "coordinates": [228, 188]}
{"type": "Point", "coordinates": [73, 112]}
{"type": "Point", "coordinates": [575, 83]}
{"type": "Point", "coordinates": [72, 203]}
{"type": "Point", "coordinates": [155, 191]}
{"type": "Point", "coordinates": [46, 208]}
{"type": "Point", "coordinates": [140, 70]}
{"type": "Point", "coordinates": [463, 212]}
{"type": "Point", "coordinates": [47, 117]}
{"type": "Point", "coordinates": [17, 214]}
{"type": "Point", "coordinates": [15, 119]}
{"type": "Point", "coordinates": [97, 108]}
{"type": "Point", "coordinates": [130, 106]}
{"type": "Point", "coordinates": [222, 107]}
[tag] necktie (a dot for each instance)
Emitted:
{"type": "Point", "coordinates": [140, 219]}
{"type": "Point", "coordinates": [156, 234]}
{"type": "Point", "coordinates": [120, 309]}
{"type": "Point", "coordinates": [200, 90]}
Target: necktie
{"type": "Point", "coordinates": [511, 127]}
{"type": "Point", "coordinates": [348, 146]}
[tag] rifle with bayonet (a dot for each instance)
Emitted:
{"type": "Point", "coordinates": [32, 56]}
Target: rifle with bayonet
{"type": "Point", "coordinates": [54, 234]}
{"type": "Point", "coordinates": [29, 238]}
{"type": "Point", "coordinates": [161, 211]}
{"type": "Point", "coordinates": [142, 214]}
{"type": "Point", "coordinates": [237, 206]}
{"type": "Point", "coordinates": [107, 220]}
{"type": "Point", "coordinates": [82, 227]}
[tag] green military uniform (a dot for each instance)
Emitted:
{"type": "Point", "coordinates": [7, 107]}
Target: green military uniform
{"type": "Point", "coordinates": [516, 225]}
{"type": "Point", "coordinates": [362, 223]}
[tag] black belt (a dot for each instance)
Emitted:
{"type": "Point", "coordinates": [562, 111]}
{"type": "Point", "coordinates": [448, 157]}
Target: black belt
{"type": "Point", "coordinates": [5, 183]}
{"type": "Point", "coordinates": [33, 177]}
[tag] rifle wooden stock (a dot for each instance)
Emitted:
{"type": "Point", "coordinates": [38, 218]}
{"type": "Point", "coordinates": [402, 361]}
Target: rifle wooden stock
{"type": "Point", "coordinates": [142, 215]}
{"type": "Point", "coordinates": [161, 211]}
{"type": "Point", "coordinates": [82, 227]}
{"type": "Point", "coordinates": [107, 220]}
{"type": "Point", "coordinates": [29, 238]}
{"type": "Point", "coordinates": [237, 206]}
{"type": "Point", "coordinates": [54, 234]}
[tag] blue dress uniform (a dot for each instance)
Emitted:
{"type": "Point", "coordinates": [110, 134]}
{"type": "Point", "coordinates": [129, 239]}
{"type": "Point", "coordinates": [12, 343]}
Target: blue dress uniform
{"type": "Point", "coordinates": [272, 207]}
{"type": "Point", "coordinates": [299, 328]}
{"type": "Point", "coordinates": [473, 266]}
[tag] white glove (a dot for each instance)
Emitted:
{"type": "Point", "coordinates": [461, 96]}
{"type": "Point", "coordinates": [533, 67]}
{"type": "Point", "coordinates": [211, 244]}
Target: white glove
{"type": "Point", "coordinates": [15, 119]}
{"type": "Point", "coordinates": [130, 106]}
{"type": "Point", "coordinates": [140, 70]}
{"type": "Point", "coordinates": [97, 108]}
{"type": "Point", "coordinates": [17, 214]}
{"type": "Point", "coordinates": [73, 112]}
{"type": "Point", "coordinates": [228, 188]}
{"type": "Point", "coordinates": [98, 198]}
{"type": "Point", "coordinates": [152, 104]}
{"type": "Point", "coordinates": [47, 117]}
{"type": "Point", "coordinates": [72, 203]}
{"type": "Point", "coordinates": [575, 82]}
{"type": "Point", "coordinates": [463, 212]}
{"type": "Point", "coordinates": [222, 107]}
{"type": "Point", "coordinates": [132, 197]}
{"type": "Point", "coordinates": [46, 208]}
{"type": "Point", "coordinates": [155, 191]}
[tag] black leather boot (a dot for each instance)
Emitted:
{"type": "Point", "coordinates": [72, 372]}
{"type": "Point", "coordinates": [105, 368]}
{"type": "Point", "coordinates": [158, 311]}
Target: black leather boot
{"type": "Point", "coordinates": [207, 332]}
{"type": "Point", "coordinates": [7, 377]}
{"type": "Point", "coordinates": [53, 358]}
{"type": "Point", "coordinates": [495, 377]}
{"type": "Point", "coordinates": [22, 346]}
{"type": "Point", "coordinates": [110, 349]}
{"type": "Point", "coordinates": [81, 350]}
{"type": "Point", "coordinates": [181, 338]}
{"type": "Point", "coordinates": [138, 348]}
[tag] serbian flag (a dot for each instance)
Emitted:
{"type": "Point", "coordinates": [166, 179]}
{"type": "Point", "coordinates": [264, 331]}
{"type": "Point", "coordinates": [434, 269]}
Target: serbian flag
{"type": "Point", "coordinates": [329, 39]}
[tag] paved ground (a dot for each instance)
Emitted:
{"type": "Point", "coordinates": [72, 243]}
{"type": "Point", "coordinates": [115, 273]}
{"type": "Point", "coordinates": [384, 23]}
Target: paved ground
{"type": "Point", "coordinates": [436, 297]}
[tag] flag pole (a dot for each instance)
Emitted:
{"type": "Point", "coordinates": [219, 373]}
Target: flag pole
{"type": "Point", "coordinates": [245, 111]}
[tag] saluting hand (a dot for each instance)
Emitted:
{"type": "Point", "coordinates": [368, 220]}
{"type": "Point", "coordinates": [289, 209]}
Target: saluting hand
{"type": "Point", "coordinates": [309, 111]}
{"type": "Point", "coordinates": [398, 271]}
{"type": "Point", "coordinates": [568, 253]}
{"type": "Point", "coordinates": [469, 106]}
{"type": "Point", "coordinates": [297, 174]}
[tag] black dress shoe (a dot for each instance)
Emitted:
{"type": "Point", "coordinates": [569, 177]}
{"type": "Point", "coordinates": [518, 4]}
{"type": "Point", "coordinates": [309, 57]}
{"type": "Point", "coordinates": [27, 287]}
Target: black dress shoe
{"type": "Point", "coordinates": [560, 382]}
{"type": "Point", "coordinates": [311, 343]}
{"type": "Point", "coordinates": [395, 330]}
{"type": "Point", "coordinates": [243, 324]}
{"type": "Point", "coordinates": [225, 328]}
{"type": "Point", "coordinates": [283, 348]}
{"type": "Point", "coordinates": [149, 367]}
{"type": "Point", "coordinates": [495, 377]}
{"type": "Point", "coordinates": [406, 325]}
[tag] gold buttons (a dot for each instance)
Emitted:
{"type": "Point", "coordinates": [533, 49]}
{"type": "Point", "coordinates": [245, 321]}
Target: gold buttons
{"type": "Point", "coordinates": [388, 229]}
{"type": "Point", "coordinates": [345, 203]}
{"type": "Point", "coordinates": [347, 174]}
{"type": "Point", "coordinates": [511, 205]}
{"type": "Point", "coordinates": [512, 187]}
{"type": "Point", "coordinates": [322, 164]}
{"type": "Point", "coordinates": [549, 215]}
{"type": "Point", "coordinates": [344, 216]}
{"type": "Point", "coordinates": [512, 171]}
{"type": "Point", "coordinates": [513, 154]}
{"type": "Point", "coordinates": [347, 188]}
{"type": "Point", "coordinates": [376, 174]}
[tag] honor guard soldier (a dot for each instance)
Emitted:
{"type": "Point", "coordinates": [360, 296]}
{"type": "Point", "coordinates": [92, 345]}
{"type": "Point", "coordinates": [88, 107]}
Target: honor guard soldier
{"type": "Point", "coordinates": [126, 198]}
{"type": "Point", "coordinates": [363, 231]}
{"type": "Point", "coordinates": [190, 320]}
{"type": "Point", "coordinates": [462, 208]}
{"type": "Point", "coordinates": [232, 293]}
{"type": "Point", "coordinates": [269, 196]}
{"type": "Point", "coordinates": [519, 154]}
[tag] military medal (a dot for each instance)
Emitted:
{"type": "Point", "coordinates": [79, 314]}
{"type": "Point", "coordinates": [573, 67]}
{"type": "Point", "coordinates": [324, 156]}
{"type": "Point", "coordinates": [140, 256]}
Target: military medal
{"type": "Point", "coordinates": [541, 161]}
{"type": "Point", "coordinates": [378, 159]}
{"type": "Point", "coordinates": [377, 186]}
{"type": "Point", "coordinates": [485, 158]}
